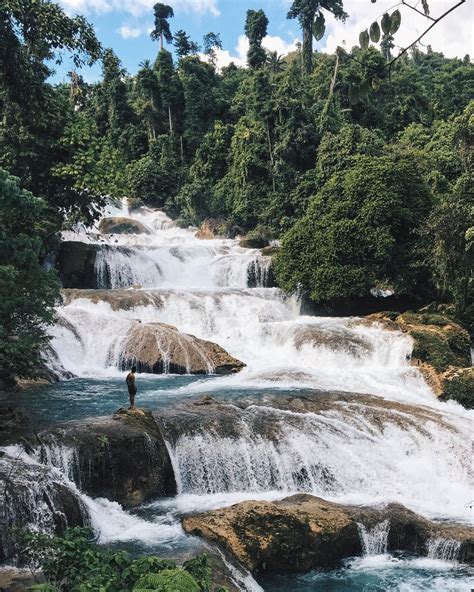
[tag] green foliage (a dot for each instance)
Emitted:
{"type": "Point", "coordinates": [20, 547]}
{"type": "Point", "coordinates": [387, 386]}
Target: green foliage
{"type": "Point", "coordinates": [358, 231]}
{"type": "Point", "coordinates": [162, 13]}
{"type": "Point", "coordinates": [28, 291]}
{"type": "Point", "coordinates": [73, 563]}
{"type": "Point", "coordinates": [169, 580]}
{"type": "Point", "coordinates": [460, 388]}
{"type": "Point", "coordinates": [256, 28]}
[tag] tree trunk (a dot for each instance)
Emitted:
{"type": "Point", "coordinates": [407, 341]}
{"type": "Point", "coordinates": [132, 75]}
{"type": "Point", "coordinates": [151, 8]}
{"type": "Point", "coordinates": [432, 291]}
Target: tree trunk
{"type": "Point", "coordinates": [270, 151]}
{"type": "Point", "coordinates": [170, 120]}
{"type": "Point", "coordinates": [308, 44]}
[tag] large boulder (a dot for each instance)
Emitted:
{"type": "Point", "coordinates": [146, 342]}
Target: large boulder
{"type": "Point", "coordinates": [121, 225]}
{"type": "Point", "coordinates": [123, 458]}
{"type": "Point", "coordinates": [303, 532]}
{"type": "Point", "coordinates": [160, 348]}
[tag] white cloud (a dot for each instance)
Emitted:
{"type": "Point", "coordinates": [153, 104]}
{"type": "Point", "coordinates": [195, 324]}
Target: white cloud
{"type": "Point", "coordinates": [130, 32]}
{"type": "Point", "coordinates": [452, 36]}
{"type": "Point", "coordinates": [138, 7]}
{"type": "Point", "coordinates": [239, 57]}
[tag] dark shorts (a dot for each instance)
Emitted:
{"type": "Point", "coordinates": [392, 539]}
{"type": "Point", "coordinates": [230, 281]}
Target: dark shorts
{"type": "Point", "coordinates": [132, 391]}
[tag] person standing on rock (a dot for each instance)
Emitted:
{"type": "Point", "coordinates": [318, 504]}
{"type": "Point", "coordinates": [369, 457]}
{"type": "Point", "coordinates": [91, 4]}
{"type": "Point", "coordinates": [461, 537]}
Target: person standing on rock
{"type": "Point", "coordinates": [132, 387]}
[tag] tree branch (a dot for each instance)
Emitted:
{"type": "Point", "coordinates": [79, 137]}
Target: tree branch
{"type": "Point", "coordinates": [418, 11]}
{"type": "Point", "coordinates": [435, 22]}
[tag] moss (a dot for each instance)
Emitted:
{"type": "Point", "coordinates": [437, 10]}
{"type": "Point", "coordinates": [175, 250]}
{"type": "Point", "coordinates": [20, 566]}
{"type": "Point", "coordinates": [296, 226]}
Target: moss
{"type": "Point", "coordinates": [438, 340]}
{"type": "Point", "coordinates": [460, 387]}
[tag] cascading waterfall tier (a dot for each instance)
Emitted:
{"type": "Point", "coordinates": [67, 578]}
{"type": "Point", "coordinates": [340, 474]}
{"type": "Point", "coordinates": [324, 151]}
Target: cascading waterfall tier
{"type": "Point", "coordinates": [349, 448]}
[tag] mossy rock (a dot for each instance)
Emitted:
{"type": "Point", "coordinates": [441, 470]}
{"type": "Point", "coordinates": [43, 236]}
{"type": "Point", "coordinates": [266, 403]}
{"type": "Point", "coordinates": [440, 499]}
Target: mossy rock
{"type": "Point", "coordinates": [168, 580]}
{"type": "Point", "coordinates": [459, 386]}
{"type": "Point", "coordinates": [438, 340]}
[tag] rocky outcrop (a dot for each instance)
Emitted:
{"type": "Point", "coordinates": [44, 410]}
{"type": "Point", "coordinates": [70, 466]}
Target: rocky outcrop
{"type": "Point", "coordinates": [76, 264]}
{"type": "Point", "coordinates": [159, 348]}
{"type": "Point", "coordinates": [121, 225]}
{"type": "Point", "coordinates": [441, 351]}
{"type": "Point", "coordinates": [213, 228]}
{"type": "Point", "coordinates": [302, 532]}
{"type": "Point", "coordinates": [121, 299]}
{"type": "Point", "coordinates": [123, 458]}
{"type": "Point", "coordinates": [32, 497]}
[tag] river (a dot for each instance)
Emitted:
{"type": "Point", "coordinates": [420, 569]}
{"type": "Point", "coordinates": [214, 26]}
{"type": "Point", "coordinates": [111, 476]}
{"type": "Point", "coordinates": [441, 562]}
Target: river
{"type": "Point", "coordinates": [202, 288]}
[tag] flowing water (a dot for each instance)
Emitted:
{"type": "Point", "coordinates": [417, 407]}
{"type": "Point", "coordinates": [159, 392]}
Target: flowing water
{"type": "Point", "coordinates": [349, 449]}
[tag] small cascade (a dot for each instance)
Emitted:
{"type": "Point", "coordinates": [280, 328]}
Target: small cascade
{"type": "Point", "coordinates": [444, 549]}
{"type": "Point", "coordinates": [260, 274]}
{"type": "Point", "coordinates": [124, 268]}
{"type": "Point", "coordinates": [374, 540]}
{"type": "Point", "coordinates": [59, 456]}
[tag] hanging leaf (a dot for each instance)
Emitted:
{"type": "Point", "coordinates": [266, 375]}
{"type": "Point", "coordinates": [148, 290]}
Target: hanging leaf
{"type": "Point", "coordinates": [319, 27]}
{"type": "Point", "coordinates": [396, 19]}
{"type": "Point", "coordinates": [354, 96]}
{"type": "Point", "coordinates": [376, 83]}
{"type": "Point", "coordinates": [364, 88]}
{"type": "Point", "coordinates": [426, 8]}
{"type": "Point", "coordinates": [386, 23]}
{"type": "Point", "coordinates": [375, 32]}
{"type": "Point", "coordinates": [364, 39]}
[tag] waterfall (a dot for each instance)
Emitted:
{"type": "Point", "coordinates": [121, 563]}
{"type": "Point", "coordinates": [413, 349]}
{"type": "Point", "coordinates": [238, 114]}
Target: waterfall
{"type": "Point", "coordinates": [342, 453]}
{"type": "Point", "coordinates": [375, 540]}
{"type": "Point", "coordinates": [444, 549]}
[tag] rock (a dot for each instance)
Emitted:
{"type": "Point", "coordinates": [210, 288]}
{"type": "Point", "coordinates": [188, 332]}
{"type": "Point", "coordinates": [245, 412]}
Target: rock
{"type": "Point", "coordinates": [14, 424]}
{"type": "Point", "coordinates": [303, 532]}
{"type": "Point", "coordinates": [120, 299]}
{"type": "Point", "coordinates": [19, 580]}
{"type": "Point", "coordinates": [123, 458]}
{"type": "Point", "coordinates": [159, 348]}
{"type": "Point", "coordinates": [121, 225]}
{"type": "Point", "coordinates": [270, 250]}
{"type": "Point", "coordinates": [258, 238]}
{"type": "Point", "coordinates": [213, 228]}
{"type": "Point", "coordinates": [76, 264]}
{"type": "Point", "coordinates": [33, 497]}
{"type": "Point", "coordinates": [441, 351]}
{"type": "Point", "coordinates": [458, 385]}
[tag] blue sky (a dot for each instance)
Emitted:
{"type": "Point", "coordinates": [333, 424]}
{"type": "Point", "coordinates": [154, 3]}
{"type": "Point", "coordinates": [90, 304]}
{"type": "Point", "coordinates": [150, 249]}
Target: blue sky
{"type": "Point", "coordinates": [124, 25]}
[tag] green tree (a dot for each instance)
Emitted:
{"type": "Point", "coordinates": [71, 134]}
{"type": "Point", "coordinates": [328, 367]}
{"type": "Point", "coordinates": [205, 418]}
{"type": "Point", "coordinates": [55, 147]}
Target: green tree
{"type": "Point", "coordinates": [183, 44]}
{"type": "Point", "coordinates": [305, 11]}
{"type": "Point", "coordinates": [256, 25]}
{"type": "Point", "coordinates": [212, 42]}
{"type": "Point", "coordinates": [28, 291]}
{"type": "Point", "coordinates": [162, 13]}
{"type": "Point", "coordinates": [359, 232]}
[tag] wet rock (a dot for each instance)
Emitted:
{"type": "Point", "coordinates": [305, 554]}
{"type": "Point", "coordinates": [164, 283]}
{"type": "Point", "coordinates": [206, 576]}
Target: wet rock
{"type": "Point", "coordinates": [317, 336]}
{"type": "Point", "coordinates": [121, 299]}
{"type": "Point", "coordinates": [76, 264]}
{"type": "Point", "coordinates": [32, 497]}
{"type": "Point", "coordinates": [303, 532]}
{"type": "Point", "coordinates": [122, 225]}
{"type": "Point", "coordinates": [14, 424]}
{"type": "Point", "coordinates": [161, 348]}
{"type": "Point", "coordinates": [123, 458]}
